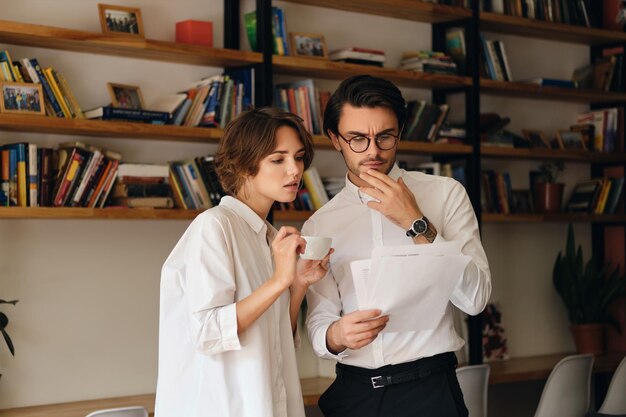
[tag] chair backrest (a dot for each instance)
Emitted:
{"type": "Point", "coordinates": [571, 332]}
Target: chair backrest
{"type": "Point", "coordinates": [567, 391]}
{"type": "Point", "coordinates": [474, 382]}
{"type": "Point", "coordinates": [615, 400]}
{"type": "Point", "coordinates": [120, 412]}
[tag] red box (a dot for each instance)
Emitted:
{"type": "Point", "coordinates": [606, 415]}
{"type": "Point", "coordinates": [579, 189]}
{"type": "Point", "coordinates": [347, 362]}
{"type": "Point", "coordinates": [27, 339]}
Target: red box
{"type": "Point", "coordinates": [195, 32]}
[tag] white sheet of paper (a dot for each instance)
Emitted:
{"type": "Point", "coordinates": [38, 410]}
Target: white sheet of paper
{"type": "Point", "coordinates": [412, 284]}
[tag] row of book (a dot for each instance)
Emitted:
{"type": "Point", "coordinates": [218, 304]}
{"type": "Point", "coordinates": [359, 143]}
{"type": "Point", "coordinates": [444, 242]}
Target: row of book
{"type": "Point", "coordinates": [305, 100]}
{"type": "Point", "coordinates": [574, 12]}
{"type": "Point", "coordinates": [495, 63]}
{"type": "Point", "coordinates": [596, 196]}
{"type": "Point", "coordinates": [59, 100]}
{"type": "Point", "coordinates": [75, 175]}
{"type": "Point", "coordinates": [424, 121]}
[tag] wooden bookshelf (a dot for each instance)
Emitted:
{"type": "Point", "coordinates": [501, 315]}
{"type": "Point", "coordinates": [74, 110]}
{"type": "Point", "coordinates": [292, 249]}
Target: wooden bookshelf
{"type": "Point", "coordinates": [553, 218]}
{"type": "Point", "coordinates": [96, 43]}
{"type": "Point", "coordinates": [531, 28]}
{"type": "Point", "coordinates": [543, 154]}
{"type": "Point", "coordinates": [537, 92]}
{"type": "Point", "coordinates": [400, 9]}
{"type": "Point", "coordinates": [106, 128]}
{"type": "Point", "coordinates": [324, 68]}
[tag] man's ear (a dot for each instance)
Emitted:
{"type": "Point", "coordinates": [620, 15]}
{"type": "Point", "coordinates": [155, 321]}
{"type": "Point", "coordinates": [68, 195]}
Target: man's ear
{"type": "Point", "coordinates": [335, 140]}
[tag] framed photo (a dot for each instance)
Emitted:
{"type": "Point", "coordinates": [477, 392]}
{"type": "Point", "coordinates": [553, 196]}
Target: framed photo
{"type": "Point", "coordinates": [126, 96]}
{"type": "Point", "coordinates": [121, 21]}
{"type": "Point", "coordinates": [521, 201]}
{"type": "Point", "coordinates": [536, 138]}
{"type": "Point", "coordinates": [22, 98]}
{"type": "Point", "coordinates": [572, 139]}
{"type": "Point", "coordinates": [308, 44]}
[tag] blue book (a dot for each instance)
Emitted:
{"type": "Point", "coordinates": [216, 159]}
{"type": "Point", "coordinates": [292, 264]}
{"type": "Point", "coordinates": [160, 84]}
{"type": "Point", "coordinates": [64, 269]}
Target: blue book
{"type": "Point", "coordinates": [130, 115]}
{"type": "Point", "coordinates": [48, 92]}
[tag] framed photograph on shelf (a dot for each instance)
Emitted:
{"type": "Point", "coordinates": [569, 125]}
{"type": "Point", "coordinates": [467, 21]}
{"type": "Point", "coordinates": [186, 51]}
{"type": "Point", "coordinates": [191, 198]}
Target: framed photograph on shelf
{"type": "Point", "coordinates": [125, 96]}
{"type": "Point", "coordinates": [310, 45]}
{"type": "Point", "coordinates": [121, 21]}
{"type": "Point", "coordinates": [521, 202]}
{"type": "Point", "coordinates": [571, 139]}
{"type": "Point", "coordinates": [536, 138]}
{"type": "Point", "coordinates": [22, 98]}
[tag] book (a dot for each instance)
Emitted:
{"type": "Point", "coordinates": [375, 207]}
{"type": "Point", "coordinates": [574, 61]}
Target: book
{"type": "Point", "coordinates": [584, 195]}
{"type": "Point", "coordinates": [550, 82]}
{"type": "Point", "coordinates": [356, 55]}
{"type": "Point", "coordinates": [144, 202]}
{"type": "Point", "coordinates": [129, 115]}
{"type": "Point", "coordinates": [142, 170]}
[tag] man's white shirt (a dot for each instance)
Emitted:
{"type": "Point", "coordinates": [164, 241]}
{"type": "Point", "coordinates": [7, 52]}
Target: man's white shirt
{"type": "Point", "coordinates": [356, 229]}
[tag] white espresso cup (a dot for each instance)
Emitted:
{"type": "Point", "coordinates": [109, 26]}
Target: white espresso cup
{"type": "Point", "coordinates": [316, 247]}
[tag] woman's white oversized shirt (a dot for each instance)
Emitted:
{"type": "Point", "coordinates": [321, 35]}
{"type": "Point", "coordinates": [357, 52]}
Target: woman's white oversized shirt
{"type": "Point", "coordinates": [205, 368]}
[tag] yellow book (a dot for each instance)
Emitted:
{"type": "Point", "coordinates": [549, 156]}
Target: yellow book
{"type": "Point", "coordinates": [57, 93]}
{"type": "Point", "coordinates": [604, 194]}
{"type": "Point", "coordinates": [68, 94]}
{"type": "Point", "coordinates": [18, 74]}
{"type": "Point", "coordinates": [309, 182]}
{"type": "Point", "coordinates": [176, 193]}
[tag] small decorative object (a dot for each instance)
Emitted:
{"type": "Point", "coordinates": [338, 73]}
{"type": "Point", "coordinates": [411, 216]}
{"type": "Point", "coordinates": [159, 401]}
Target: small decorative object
{"type": "Point", "coordinates": [308, 44]}
{"type": "Point", "coordinates": [587, 291]}
{"type": "Point", "coordinates": [22, 98]}
{"type": "Point", "coordinates": [494, 340]}
{"type": "Point", "coordinates": [121, 21]}
{"type": "Point", "coordinates": [126, 96]}
{"type": "Point", "coordinates": [571, 139]}
{"type": "Point", "coordinates": [521, 201]}
{"type": "Point", "coordinates": [536, 138]}
{"type": "Point", "coordinates": [548, 193]}
{"type": "Point", "coordinates": [195, 32]}
{"type": "Point", "coordinates": [4, 321]}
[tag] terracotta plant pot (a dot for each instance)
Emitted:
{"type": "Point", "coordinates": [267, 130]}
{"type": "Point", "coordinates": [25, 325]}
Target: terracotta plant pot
{"type": "Point", "coordinates": [589, 338]}
{"type": "Point", "coordinates": [548, 197]}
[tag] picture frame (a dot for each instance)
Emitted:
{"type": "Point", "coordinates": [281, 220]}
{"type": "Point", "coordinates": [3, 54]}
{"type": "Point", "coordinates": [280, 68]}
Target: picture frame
{"type": "Point", "coordinates": [121, 21]}
{"type": "Point", "coordinates": [536, 138]}
{"type": "Point", "coordinates": [572, 139]}
{"type": "Point", "coordinates": [521, 201]}
{"type": "Point", "coordinates": [310, 45]}
{"type": "Point", "coordinates": [126, 96]}
{"type": "Point", "coordinates": [22, 98]}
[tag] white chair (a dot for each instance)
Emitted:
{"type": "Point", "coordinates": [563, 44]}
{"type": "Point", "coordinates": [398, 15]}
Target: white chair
{"type": "Point", "coordinates": [474, 382]}
{"type": "Point", "coordinates": [121, 412]}
{"type": "Point", "coordinates": [567, 391]}
{"type": "Point", "coordinates": [615, 400]}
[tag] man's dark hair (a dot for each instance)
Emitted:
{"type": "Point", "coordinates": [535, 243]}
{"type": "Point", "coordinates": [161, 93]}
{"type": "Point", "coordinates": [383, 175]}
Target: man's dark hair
{"type": "Point", "coordinates": [363, 91]}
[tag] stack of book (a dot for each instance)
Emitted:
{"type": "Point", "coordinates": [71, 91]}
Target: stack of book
{"type": "Point", "coordinates": [356, 55]}
{"type": "Point", "coordinates": [495, 63]}
{"type": "Point", "coordinates": [59, 100]}
{"type": "Point", "coordinates": [195, 184]}
{"type": "Point", "coordinates": [142, 186]}
{"type": "Point", "coordinates": [427, 61]}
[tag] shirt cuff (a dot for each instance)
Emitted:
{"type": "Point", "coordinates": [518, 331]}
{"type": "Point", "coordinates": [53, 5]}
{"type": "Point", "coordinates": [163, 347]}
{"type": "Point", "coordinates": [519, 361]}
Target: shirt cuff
{"type": "Point", "coordinates": [322, 348]}
{"type": "Point", "coordinates": [227, 319]}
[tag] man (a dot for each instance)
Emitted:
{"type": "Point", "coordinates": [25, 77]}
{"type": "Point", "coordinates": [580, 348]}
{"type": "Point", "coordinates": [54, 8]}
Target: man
{"type": "Point", "coordinates": [399, 374]}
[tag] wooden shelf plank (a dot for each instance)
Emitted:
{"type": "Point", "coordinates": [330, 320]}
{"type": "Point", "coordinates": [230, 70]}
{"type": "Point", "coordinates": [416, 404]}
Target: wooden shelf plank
{"type": "Point", "coordinates": [401, 9]}
{"type": "Point", "coordinates": [105, 128]}
{"type": "Point", "coordinates": [113, 213]}
{"type": "Point", "coordinates": [97, 43]}
{"type": "Point", "coordinates": [324, 68]}
{"type": "Point", "coordinates": [539, 367]}
{"type": "Point", "coordinates": [519, 26]}
{"type": "Point", "coordinates": [543, 154]}
{"type": "Point", "coordinates": [553, 218]}
{"type": "Point", "coordinates": [533, 91]}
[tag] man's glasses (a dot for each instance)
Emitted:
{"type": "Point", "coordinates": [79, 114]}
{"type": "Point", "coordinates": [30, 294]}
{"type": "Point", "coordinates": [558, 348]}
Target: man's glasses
{"type": "Point", "coordinates": [360, 143]}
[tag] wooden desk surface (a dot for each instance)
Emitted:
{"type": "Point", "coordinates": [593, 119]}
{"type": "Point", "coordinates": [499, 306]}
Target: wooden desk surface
{"type": "Point", "coordinates": [513, 370]}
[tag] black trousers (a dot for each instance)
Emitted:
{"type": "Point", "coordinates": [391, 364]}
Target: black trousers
{"type": "Point", "coordinates": [427, 387]}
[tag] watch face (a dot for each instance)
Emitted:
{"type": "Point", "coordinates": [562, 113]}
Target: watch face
{"type": "Point", "coordinates": [420, 226]}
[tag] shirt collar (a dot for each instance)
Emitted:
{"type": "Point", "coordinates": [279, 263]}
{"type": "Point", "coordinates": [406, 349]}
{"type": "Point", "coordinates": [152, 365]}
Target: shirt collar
{"type": "Point", "coordinates": [353, 190]}
{"type": "Point", "coordinates": [254, 221]}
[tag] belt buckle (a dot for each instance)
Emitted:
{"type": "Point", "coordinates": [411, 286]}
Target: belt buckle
{"type": "Point", "coordinates": [375, 381]}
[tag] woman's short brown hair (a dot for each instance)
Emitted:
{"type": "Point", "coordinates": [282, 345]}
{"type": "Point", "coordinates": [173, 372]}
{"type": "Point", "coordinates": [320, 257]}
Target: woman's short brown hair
{"type": "Point", "coordinates": [248, 139]}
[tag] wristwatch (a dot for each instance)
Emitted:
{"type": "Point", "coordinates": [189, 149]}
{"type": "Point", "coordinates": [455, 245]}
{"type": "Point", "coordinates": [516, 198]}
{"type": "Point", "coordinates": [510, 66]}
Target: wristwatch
{"type": "Point", "coordinates": [419, 227]}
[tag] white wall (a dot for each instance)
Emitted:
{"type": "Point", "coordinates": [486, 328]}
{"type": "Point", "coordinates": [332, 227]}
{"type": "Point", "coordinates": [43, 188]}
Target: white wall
{"type": "Point", "coordinates": [86, 325]}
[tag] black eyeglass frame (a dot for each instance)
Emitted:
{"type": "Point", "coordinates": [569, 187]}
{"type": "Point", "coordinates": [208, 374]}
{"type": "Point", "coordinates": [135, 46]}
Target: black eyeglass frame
{"type": "Point", "coordinates": [369, 141]}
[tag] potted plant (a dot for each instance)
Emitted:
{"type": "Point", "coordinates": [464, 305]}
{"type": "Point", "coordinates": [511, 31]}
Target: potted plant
{"type": "Point", "coordinates": [587, 292]}
{"type": "Point", "coordinates": [549, 192]}
{"type": "Point", "coordinates": [4, 321]}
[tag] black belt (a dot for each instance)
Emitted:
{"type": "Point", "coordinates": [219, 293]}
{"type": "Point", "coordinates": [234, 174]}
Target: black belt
{"type": "Point", "coordinates": [400, 373]}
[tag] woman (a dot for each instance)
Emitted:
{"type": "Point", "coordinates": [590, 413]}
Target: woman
{"type": "Point", "coordinates": [228, 313]}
